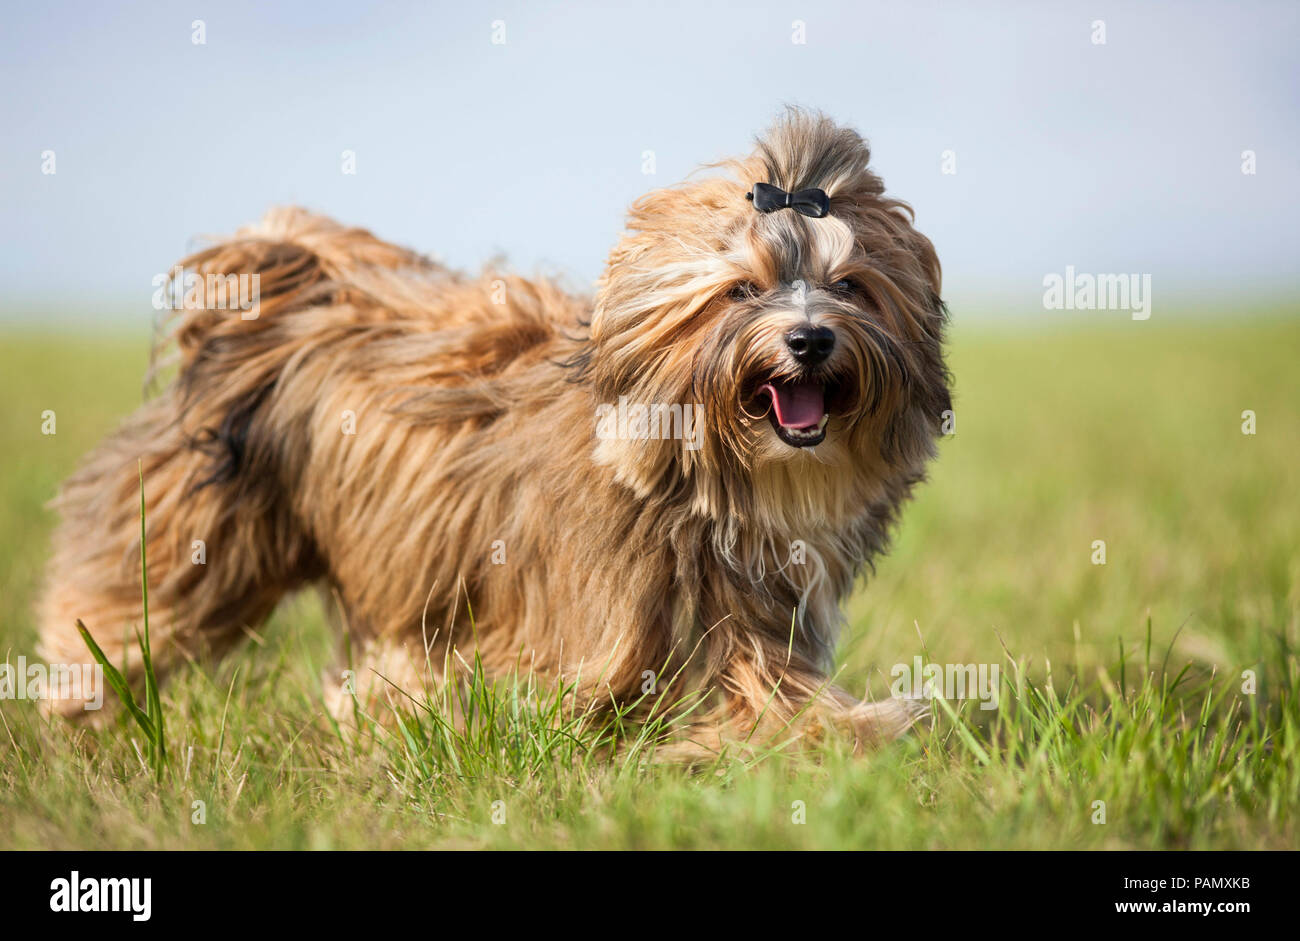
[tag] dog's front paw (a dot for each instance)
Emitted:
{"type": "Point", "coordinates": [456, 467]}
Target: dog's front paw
{"type": "Point", "coordinates": [875, 723]}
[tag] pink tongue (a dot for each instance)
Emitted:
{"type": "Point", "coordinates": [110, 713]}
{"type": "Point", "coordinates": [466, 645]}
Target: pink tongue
{"type": "Point", "coordinates": [797, 404]}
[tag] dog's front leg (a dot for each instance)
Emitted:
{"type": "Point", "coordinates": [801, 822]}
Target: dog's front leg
{"type": "Point", "coordinates": [774, 694]}
{"type": "Point", "coordinates": [871, 723]}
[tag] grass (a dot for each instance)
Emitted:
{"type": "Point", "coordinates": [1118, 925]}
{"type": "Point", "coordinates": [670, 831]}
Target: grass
{"type": "Point", "coordinates": [1120, 683]}
{"type": "Point", "coordinates": [148, 717]}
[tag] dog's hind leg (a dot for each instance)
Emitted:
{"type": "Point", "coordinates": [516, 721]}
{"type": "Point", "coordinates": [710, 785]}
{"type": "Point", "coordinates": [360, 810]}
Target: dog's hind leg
{"type": "Point", "coordinates": [222, 450]}
{"type": "Point", "coordinates": [386, 675]}
{"type": "Point", "coordinates": [223, 541]}
{"type": "Point", "coordinates": [220, 554]}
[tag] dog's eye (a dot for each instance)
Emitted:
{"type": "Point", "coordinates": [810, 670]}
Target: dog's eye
{"type": "Point", "coordinates": [743, 291]}
{"type": "Point", "coordinates": [850, 289]}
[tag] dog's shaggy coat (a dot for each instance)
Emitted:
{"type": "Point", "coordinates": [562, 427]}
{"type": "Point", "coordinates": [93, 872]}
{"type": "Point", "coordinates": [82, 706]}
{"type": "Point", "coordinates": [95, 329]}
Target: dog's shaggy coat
{"type": "Point", "coordinates": [413, 439]}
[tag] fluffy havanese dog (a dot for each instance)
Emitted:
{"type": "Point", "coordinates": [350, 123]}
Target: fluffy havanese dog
{"type": "Point", "coordinates": [679, 478]}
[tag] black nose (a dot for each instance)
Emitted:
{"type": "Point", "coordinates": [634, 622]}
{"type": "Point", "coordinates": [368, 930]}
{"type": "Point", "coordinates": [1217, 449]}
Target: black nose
{"type": "Point", "coordinates": [810, 345]}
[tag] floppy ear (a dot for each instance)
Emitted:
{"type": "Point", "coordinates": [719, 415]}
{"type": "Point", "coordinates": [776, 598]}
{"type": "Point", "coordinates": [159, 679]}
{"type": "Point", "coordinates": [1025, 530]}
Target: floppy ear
{"type": "Point", "coordinates": [666, 269]}
{"type": "Point", "coordinates": [649, 320]}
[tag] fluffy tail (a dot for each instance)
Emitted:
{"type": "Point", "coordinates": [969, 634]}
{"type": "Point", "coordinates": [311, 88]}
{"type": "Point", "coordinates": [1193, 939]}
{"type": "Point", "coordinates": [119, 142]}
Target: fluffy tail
{"type": "Point", "coordinates": [223, 543]}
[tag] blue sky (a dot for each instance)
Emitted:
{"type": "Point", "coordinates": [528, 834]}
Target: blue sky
{"type": "Point", "coordinates": [1122, 157]}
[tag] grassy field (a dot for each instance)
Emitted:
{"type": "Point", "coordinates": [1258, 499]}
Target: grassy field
{"type": "Point", "coordinates": [1121, 683]}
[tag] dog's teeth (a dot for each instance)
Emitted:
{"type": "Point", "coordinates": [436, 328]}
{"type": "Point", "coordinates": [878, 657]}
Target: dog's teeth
{"type": "Point", "coordinates": [808, 432]}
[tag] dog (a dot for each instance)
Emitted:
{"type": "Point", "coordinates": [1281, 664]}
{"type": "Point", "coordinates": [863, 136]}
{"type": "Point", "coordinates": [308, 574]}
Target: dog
{"type": "Point", "coordinates": [678, 478]}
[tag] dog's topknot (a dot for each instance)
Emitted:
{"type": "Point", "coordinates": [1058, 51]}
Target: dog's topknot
{"type": "Point", "coordinates": [806, 149]}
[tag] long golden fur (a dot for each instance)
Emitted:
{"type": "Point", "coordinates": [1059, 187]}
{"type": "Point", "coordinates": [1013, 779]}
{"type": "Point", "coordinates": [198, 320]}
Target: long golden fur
{"type": "Point", "coordinates": [474, 470]}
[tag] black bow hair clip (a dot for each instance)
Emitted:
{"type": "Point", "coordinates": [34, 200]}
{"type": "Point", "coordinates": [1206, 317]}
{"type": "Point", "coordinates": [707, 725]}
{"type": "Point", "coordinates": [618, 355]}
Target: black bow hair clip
{"type": "Point", "coordinates": [810, 202]}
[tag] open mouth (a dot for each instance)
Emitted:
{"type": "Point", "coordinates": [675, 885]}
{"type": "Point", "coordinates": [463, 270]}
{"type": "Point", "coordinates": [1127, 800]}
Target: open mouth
{"type": "Point", "coordinates": [798, 412]}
